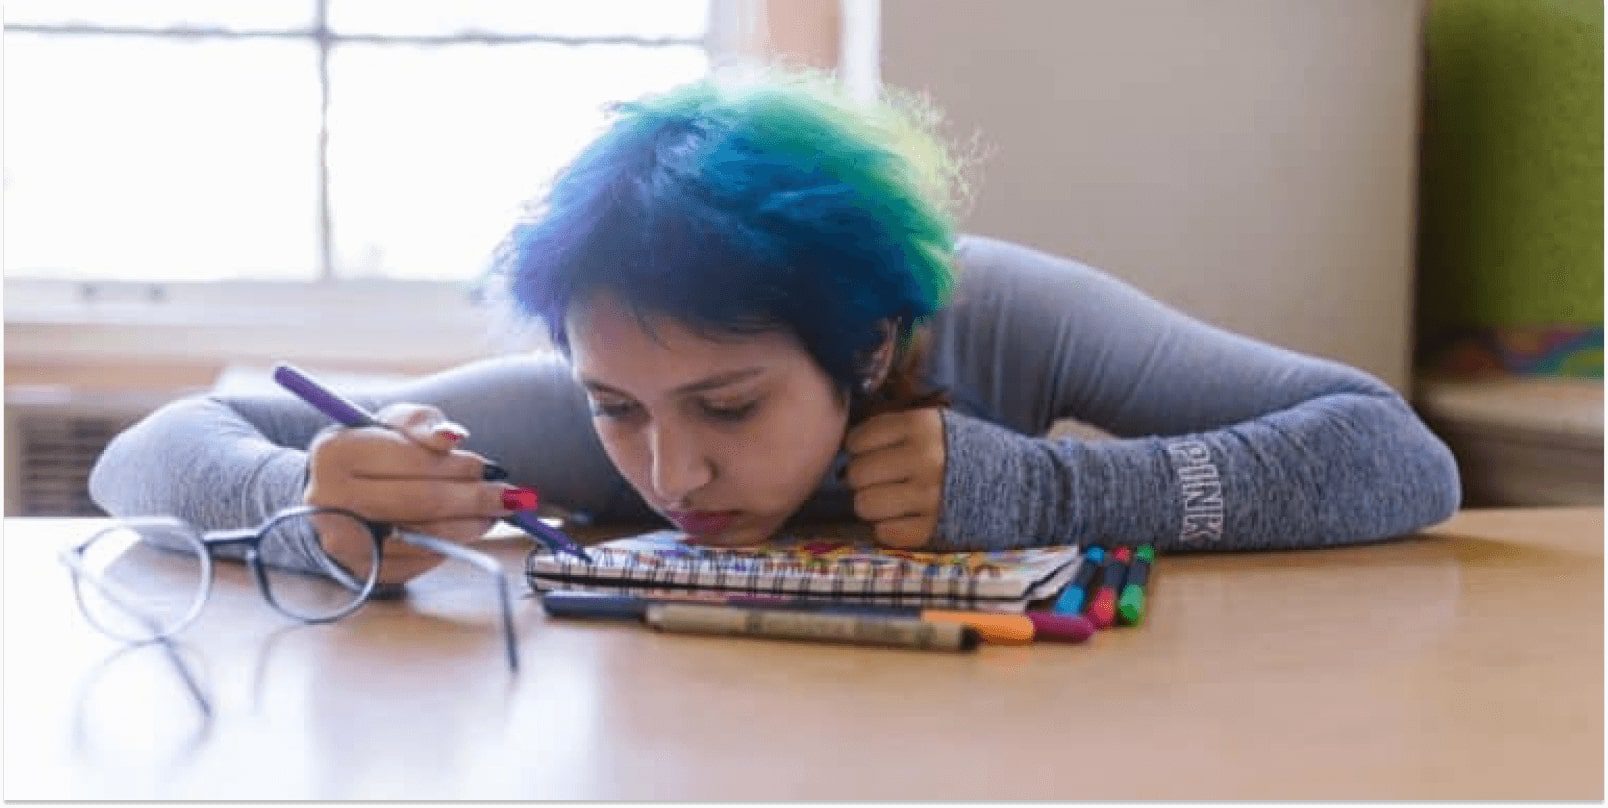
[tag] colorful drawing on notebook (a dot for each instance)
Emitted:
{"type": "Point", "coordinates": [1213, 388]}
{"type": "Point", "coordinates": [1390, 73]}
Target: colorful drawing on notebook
{"type": "Point", "coordinates": [805, 554]}
{"type": "Point", "coordinates": [815, 566]}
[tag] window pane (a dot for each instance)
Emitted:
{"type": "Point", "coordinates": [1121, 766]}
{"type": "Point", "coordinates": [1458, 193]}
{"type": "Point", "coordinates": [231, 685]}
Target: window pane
{"type": "Point", "coordinates": [236, 14]}
{"type": "Point", "coordinates": [432, 149]}
{"type": "Point", "coordinates": [143, 158]}
{"type": "Point", "coordinates": [642, 18]}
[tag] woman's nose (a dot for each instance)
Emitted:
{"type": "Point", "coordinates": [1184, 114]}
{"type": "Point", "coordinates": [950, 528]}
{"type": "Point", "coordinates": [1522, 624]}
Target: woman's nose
{"type": "Point", "coordinates": [680, 467]}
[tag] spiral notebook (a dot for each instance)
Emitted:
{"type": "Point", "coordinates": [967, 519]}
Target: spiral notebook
{"type": "Point", "coordinates": [665, 563]}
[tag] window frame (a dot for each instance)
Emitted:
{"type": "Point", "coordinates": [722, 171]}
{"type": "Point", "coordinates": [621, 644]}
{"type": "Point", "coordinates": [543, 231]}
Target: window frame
{"type": "Point", "coordinates": [427, 321]}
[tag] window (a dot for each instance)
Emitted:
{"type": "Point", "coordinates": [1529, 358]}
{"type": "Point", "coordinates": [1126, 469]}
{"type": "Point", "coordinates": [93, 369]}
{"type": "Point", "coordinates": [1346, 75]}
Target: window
{"type": "Point", "coordinates": [306, 140]}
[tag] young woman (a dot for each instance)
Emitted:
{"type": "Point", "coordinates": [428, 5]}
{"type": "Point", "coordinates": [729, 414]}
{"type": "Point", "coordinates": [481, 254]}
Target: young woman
{"type": "Point", "coordinates": [763, 314]}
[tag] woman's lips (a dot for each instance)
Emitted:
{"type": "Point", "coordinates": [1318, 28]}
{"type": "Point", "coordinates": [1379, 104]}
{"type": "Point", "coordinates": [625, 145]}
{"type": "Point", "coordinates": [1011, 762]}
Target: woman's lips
{"type": "Point", "coordinates": [702, 523]}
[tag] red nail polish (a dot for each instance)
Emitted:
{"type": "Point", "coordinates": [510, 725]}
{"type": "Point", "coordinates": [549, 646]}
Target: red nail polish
{"type": "Point", "coordinates": [452, 433]}
{"type": "Point", "coordinates": [520, 499]}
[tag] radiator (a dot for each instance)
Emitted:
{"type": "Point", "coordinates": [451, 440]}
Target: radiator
{"type": "Point", "coordinates": [53, 437]}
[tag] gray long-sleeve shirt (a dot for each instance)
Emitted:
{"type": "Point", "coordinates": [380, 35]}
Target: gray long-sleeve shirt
{"type": "Point", "coordinates": [1221, 442]}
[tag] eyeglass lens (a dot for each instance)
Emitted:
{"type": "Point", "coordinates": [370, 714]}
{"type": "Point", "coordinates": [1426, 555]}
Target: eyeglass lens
{"type": "Point", "coordinates": [314, 595]}
{"type": "Point", "coordinates": [151, 578]}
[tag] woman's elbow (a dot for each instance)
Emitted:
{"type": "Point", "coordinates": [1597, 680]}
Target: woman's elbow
{"type": "Point", "coordinates": [114, 478]}
{"type": "Point", "coordinates": [1433, 479]}
{"type": "Point", "coordinates": [129, 468]}
{"type": "Point", "coordinates": [1411, 477]}
{"type": "Point", "coordinates": [1443, 483]}
{"type": "Point", "coordinates": [104, 477]}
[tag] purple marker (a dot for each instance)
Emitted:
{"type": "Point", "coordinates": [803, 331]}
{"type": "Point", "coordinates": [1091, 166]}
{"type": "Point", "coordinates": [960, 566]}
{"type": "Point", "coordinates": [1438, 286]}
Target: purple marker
{"type": "Point", "coordinates": [347, 413]}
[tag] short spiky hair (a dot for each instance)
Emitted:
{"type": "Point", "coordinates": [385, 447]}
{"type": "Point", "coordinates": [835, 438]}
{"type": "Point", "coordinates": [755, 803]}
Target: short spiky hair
{"type": "Point", "coordinates": [739, 207]}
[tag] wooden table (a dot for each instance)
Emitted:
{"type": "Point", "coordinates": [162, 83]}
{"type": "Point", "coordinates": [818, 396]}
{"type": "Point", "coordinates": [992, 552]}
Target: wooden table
{"type": "Point", "coordinates": [1467, 663]}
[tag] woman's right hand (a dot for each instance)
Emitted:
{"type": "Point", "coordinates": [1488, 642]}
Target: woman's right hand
{"type": "Point", "coordinates": [409, 473]}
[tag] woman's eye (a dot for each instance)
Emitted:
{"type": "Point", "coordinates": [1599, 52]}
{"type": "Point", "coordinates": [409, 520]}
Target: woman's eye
{"type": "Point", "coordinates": [730, 414]}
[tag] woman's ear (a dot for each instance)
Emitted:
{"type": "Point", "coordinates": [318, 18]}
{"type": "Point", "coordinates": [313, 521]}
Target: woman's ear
{"type": "Point", "coordinates": [881, 359]}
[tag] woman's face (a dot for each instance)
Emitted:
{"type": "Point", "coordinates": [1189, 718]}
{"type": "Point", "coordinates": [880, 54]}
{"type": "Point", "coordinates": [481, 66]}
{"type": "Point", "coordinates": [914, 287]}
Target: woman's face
{"type": "Point", "coordinates": [726, 438]}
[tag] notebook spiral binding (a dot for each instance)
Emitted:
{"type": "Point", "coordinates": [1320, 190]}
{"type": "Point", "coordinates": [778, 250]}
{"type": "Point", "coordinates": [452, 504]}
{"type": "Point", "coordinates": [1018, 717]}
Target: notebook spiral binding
{"type": "Point", "coordinates": [880, 579]}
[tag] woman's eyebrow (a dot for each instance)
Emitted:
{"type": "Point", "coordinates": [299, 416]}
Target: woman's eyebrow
{"type": "Point", "coordinates": [708, 383]}
{"type": "Point", "coordinates": [718, 380]}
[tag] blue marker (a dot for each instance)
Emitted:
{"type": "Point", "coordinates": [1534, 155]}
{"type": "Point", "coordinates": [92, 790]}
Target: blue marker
{"type": "Point", "coordinates": [1071, 599]}
{"type": "Point", "coordinates": [608, 606]}
{"type": "Point", "coordinates": [347, 413]}
{"type": "Point", "coordinates": [594, 605]}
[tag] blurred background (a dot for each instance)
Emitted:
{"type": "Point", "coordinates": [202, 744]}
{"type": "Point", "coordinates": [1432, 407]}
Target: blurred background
{"type": "Point", "coordinates": [194, 189]}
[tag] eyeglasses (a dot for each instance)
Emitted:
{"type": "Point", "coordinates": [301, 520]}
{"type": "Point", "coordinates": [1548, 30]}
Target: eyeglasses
{"type": "Point", "coordinates": [145, 579]}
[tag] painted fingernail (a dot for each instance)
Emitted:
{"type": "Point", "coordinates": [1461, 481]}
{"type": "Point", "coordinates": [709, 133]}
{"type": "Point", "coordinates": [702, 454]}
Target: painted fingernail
{"type": "Point", "coordinates": [520, 499]}
{"type": "Point", "coordinates": [452, 432]}
{"type": "Point", "coordinates": [491, 472]}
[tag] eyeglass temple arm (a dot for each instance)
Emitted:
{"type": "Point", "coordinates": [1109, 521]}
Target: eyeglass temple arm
{"type": "Point", "coordinates": [486, 564]}
{"type": "Point", "coordinates": [124, 601]}
{"type": "Point", "coordinates": [214, 538]}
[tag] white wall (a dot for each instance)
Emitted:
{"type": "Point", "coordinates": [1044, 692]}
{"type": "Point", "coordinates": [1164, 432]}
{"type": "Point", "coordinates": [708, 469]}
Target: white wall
{"type": "Point", "coordinates": [1250, 161]}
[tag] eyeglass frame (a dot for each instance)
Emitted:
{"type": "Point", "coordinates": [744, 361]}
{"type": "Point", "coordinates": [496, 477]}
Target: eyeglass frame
{"type": "Point", "coordinates": [252, 538]}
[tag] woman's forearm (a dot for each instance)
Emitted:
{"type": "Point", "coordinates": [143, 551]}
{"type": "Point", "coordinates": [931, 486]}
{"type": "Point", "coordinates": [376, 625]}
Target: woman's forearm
{"type": "Point", "coordinates": [1348, 467]}
{"type": "Point", "coordinates": [199, 460]}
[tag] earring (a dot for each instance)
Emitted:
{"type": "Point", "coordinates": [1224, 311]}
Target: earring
{"type": "Point", "coordinates": [869, 384]}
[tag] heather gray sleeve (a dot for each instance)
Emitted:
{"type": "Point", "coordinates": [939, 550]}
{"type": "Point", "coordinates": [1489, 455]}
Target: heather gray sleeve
{"type": "Point", "coordinates": [1222, 442]}
{"type": "Point", "coordinates": [224, 462]}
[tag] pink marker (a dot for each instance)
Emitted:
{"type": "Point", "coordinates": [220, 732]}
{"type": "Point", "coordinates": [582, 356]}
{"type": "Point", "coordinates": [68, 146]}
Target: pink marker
{"type": "Point", "coordinates": [1055, 627]}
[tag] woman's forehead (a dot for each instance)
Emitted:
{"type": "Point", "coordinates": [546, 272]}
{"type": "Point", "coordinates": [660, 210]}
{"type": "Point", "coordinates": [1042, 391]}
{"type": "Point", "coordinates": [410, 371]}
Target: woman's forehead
{"type": "Point", "coordinates": [616, 345]}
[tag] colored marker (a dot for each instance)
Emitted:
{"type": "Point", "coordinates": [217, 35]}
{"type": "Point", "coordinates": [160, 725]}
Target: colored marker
{"type": "Point", "coordinates": [1102, 610]}
{"type": "Point", "coordinates": [347, 413]}
{"type": "Point", "coordinates": [1073, 596]}
{"type": "Point", "coordinates": [1057, 627]}
{"type": "Point", "coordinates": [607, 606]}
{"type": "Point", "coordinates": [793, 624]}
{"type": "Point", "coordinates": [996, 628]}
{"type": "Point", "coordinates": [1131, 606]}
{"type": "Point", "coordinates": [999, 628]}
{"type": "Point", "coordinates": [594, 606]}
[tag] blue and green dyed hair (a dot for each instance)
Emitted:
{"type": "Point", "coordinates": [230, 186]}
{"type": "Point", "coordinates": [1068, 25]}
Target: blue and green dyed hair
{"type": "Point", "coordinates": [734, 208]}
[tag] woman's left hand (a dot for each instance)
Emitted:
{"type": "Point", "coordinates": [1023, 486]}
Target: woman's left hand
{"type": "Point", "coordinates": [896, 471]}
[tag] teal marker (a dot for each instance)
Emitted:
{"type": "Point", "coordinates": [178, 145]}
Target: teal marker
{"type": "Point", "coordinates": [1131, 606]}
{"type": "Point", "coordinates": [1071, 599]}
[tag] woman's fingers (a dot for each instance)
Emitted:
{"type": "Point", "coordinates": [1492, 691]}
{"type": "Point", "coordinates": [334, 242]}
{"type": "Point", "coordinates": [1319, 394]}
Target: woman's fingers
{"type": "Point", "coordinates": [891, 501]}
{"type": "Point", "coordinates": [423, 424]}
{"type": "Point", "coordinates": [880, 432]}
{"type": "Point", "coordinates": [906, 532]}
{"type": "Point", "coordinates": [896, 471]}
{"type": "Point", "coordinates": [407, 472]}
{"type": "Point", "coordinates": [895, 464]}
{"type": "Point", "coordinates": [402, 462]}
{"type": "Point", "coordinates": [377, 452]}
{"type": "Point", "coordinates": [420, 500]}
{"type": "Point", "coordinates": [401, 561]}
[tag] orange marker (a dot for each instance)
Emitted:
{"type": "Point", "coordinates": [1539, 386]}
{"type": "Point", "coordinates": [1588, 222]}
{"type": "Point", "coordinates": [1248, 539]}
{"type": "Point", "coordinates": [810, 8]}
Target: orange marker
{"type": "Point", "coordinates": [993, 627]}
